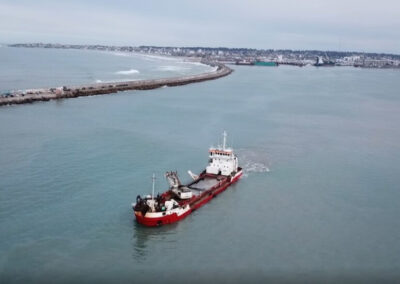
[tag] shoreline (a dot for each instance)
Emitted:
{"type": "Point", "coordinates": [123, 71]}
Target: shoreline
{"type": "Point", "coordinates": [46, 94]}
{"type": "Point", "coordinates": [247, 56]}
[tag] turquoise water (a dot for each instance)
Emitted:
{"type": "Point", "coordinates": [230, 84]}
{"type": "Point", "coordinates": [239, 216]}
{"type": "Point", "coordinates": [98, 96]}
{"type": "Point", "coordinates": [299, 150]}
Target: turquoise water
{"type": "Point", "coordinates": [319, 201]}
{"type": "Point", "coordinates": [23, 68]}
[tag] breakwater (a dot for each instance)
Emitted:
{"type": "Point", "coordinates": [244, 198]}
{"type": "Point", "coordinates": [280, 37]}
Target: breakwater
{"type": "Point", "coordinates": [30, 96]}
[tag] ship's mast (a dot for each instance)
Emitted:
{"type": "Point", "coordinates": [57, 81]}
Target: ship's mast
{"type": "Point", "coordinates": [224, 141]}
{"type": "Point", "coordinates": [154, 180]}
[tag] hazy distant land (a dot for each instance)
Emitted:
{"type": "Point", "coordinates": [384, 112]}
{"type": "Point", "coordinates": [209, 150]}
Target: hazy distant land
{"type": "Point", "coordinates": [248, 56]}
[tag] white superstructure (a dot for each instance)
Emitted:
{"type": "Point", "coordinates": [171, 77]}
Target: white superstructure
{"type": "Point", "coordinates": [222, 160]}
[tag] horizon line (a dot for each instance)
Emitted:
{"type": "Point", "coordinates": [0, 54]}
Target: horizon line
{"type": "Point", "coordinates": [209, 47]}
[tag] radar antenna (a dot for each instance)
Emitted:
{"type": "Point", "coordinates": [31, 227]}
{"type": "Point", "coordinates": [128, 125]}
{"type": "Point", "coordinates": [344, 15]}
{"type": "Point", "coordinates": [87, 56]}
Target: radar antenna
{"type": "Point", "coordinates": [224, 141]}
{"type": "Point", "coordinates": [154, 181]}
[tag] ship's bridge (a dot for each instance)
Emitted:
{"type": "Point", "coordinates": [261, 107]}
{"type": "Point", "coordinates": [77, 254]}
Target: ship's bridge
{"type": "Point", "coordinates": [220, 152]}
{"type": "Point", "coordinates": [222, 160]}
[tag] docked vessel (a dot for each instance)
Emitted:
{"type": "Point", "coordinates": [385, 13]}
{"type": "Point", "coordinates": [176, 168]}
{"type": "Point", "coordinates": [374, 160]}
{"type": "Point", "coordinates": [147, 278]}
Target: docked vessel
{"type": "Point", "coordinates": [181, 200]}
{"type": "Point", "coordinates": [265, 63]}
{"type": "Point", "coordinates": [323, 62]}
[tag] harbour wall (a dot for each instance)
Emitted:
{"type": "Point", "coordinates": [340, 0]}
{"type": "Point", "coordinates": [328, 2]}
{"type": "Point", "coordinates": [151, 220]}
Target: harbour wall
{"type": "Point", "coordinates": [30, 96]}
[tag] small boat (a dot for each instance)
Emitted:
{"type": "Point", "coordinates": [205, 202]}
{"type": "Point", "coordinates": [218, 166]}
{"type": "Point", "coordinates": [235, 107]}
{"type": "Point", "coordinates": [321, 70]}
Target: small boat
{"type": "Point", "coordinates": [181, 200]}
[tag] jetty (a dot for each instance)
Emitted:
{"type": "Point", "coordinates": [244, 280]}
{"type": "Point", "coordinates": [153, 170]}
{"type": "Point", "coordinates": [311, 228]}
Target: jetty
{"type": "Point", "coordinates": [46, 94]}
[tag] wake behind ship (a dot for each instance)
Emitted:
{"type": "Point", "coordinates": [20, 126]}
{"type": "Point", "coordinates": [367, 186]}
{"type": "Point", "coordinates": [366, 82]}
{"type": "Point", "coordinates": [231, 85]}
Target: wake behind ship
{"type": "Point", "coordinates": [181, 200]}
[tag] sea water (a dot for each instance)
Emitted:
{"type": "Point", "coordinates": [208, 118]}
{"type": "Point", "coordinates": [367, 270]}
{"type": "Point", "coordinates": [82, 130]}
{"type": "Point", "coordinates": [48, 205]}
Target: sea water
{"type": "Point", "coordinates": [24, 68]}
{"type": "Point", "coordinates": [319, 200]}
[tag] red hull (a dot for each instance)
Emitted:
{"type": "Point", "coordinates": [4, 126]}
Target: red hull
{"type": "Point", "coordinates": [194, 205]}
{"type": "Point", "coordinates": [153, 222]}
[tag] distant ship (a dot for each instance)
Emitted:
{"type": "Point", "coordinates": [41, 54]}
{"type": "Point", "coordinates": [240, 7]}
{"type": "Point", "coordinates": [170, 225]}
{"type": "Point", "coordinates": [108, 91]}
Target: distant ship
{"type": "Point", "coordinates": [257, 63]}
{"type": "Point", "coordinates": [265, 63]}
{"type": "Point", "coordinates": [244, 62]}
{"type": "Point", "coordinates": [323, 62]}
{"type": "Point", "coordinates": [181, 200]}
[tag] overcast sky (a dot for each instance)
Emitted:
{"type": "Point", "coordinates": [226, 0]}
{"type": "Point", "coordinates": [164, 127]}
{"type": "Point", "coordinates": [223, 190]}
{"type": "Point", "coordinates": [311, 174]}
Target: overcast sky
{"type": "Point", "coordinates": [360, 25]}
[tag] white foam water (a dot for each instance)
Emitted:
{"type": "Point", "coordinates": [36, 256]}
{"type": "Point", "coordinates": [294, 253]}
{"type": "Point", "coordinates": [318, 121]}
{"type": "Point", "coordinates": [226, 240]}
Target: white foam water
{"type": "Point", "coordinates": [172, 68]}
{"type": "Point", "coordinates": [252, 162]}
{"type": "Point", "coordinates": [158, 57]}
{"type": "Point", "coordinates": [250, 167]}
{"type": "Point", "coordinates": [194, 63]}
{"type": "Point", "coordinates": [125, 54]}
{"type": "Point", "coordinates": [127, 72]}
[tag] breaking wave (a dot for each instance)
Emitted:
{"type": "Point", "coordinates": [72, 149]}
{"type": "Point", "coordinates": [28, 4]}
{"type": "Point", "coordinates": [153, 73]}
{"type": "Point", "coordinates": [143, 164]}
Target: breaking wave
{"type": "Point", "coordinates": [172, 68]}
{"type": "Point", "coordinates": [115, 80]}
{"type": "Point", "coordinates": [195, 63]}
{"type": "Point", "coordinates": [125, 54]}
{"type": "Point", "coordinates": [127, 72]}
{"type": "Point", "coordinates": [158, 57]}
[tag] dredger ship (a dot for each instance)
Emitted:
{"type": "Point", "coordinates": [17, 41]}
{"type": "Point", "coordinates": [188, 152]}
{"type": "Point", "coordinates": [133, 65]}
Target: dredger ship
{"type": "Point", "coordinates": [181, 200]}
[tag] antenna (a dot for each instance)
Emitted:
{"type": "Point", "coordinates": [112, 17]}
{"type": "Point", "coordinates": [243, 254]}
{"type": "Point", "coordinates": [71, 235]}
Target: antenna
{"type": "Point", "coordinates": [224, 143]}
{"type": "Point", "coordinates": [154, 180]}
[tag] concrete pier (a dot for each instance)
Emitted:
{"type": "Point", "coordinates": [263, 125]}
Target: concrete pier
{"type": "Point", "coordinates": [30, 96]}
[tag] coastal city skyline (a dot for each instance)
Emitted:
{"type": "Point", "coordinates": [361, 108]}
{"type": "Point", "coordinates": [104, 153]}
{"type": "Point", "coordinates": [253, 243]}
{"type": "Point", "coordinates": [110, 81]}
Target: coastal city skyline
{"type": "Point", "coordinates": [214, 57]}
{"type": "Point", "coordinates": [246, 56]}
{"type": "Point", "coordinates": [332, 25]}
